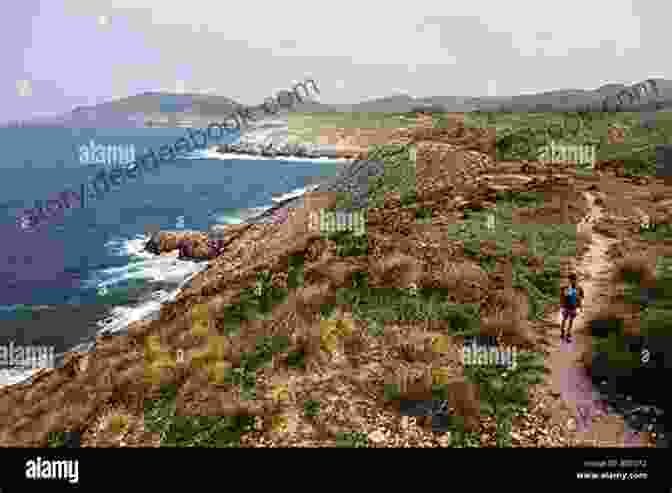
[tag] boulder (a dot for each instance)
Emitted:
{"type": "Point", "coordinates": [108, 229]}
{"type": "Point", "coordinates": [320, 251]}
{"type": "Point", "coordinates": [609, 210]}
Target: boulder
{"type": "Point", "coordinates": [152, 246]}
{"type": "Point", "coordinates": [191, 244]}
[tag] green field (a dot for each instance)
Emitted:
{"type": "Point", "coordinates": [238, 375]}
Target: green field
{"type": "Point", "coordinates": [520, 136]}
{"type": "Point", "coordinates": [306, 127]}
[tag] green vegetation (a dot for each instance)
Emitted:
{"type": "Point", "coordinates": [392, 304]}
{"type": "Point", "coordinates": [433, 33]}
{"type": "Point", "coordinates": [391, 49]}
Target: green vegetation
{"type": "Point", "coordinates": [307, 127]}
{"type": "Point", "coordinates": [205, 431]}
{"type": "Point", "coordinates": [550, 242]}
{"type": "Point", "coordinates": [381, 305]}
{"type": "Point", "coordinates": [208, 431]}
{"type": "Point", "coordinates": [192, 431]}
{"type": "Point", "coordinates": [343, 201]}
{"type": "Point", "coordinates": [245, 375]}
{"type": "Point", "coordinates": [352, 439]}
{"type": "Point", "coordinates": [56, 439]}
{"type": "Point", "coordinates": [504, 392]}
{"type": "Point", "coordinates": [295, 272]}
{"type": "Point", "coordinates": [520, 136]}
{"type": "Point", "coordinates": [462, 439]}
{"type": "Point", "coordinates": [311, 408]}
{"type": "Point", "coordinates": [656, 316]}
{"type": "Point", "coordinates": [258, 301]}
{"type": "Point", "coordinates": [399, 176]}
{"type": "Point", "coordinates": [349, 244]}
{"type": "Point", "coordinates": [656, 231]}
{"type": "Point", "coordinates": [375, 328]}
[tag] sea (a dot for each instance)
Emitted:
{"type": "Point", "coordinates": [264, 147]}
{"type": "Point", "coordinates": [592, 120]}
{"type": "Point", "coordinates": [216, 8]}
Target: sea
{"type": "Point", "coordinates": [86, 272]}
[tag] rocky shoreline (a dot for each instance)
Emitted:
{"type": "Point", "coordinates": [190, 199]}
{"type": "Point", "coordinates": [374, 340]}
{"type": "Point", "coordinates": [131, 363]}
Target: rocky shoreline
{"type": "Point", "coordinates": [120, 375]}
{"type": "Point", "coordinates": [286, 149]}
{"type": "Point", "coordinates": [201, 246]}
{"type": "Point", "coordinates": [270, 139]}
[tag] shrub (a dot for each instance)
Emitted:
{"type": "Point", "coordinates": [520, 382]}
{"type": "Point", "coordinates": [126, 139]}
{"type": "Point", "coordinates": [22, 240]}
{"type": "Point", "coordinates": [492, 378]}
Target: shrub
{"type": "Point", "coordinates": [192, 431]}
{"type": "Point", "coordinates": [311, 408]}
{"type": "Point", "coordinates": [352, 439]}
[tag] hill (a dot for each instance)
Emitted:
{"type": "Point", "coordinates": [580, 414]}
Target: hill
{"type": "Point", "coordinates": [135, 110]}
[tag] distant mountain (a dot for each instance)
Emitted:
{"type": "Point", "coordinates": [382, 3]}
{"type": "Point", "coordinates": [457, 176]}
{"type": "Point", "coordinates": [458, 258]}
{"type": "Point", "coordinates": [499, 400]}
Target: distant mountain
{"type": "Point", "coordinates": [568, 100]}
{"type": "Point", "coordinates": [167, 107]}
{"type": "Point", "coordinates": [135, 110]}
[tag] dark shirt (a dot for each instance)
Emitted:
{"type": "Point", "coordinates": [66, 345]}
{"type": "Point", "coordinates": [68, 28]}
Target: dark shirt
{"type": "Point", "coordinates": [579, 297]}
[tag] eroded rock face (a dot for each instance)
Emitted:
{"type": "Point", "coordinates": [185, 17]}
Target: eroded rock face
{"type": "Point", "coordinates": [193, 245]}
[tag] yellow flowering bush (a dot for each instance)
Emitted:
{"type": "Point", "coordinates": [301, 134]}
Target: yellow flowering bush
{"type": "Point", "coordinates": [200, 320]}
{"type": "Point", "coordinates": [440, 344]}
{"type": "Point", "coordinates": [156, 359]}
{"type": "Point", "coordinates": [280, 393]}
{"type": "Point", "coordinates": [217, 371]}
{"type": "Point", "coordinates": [117, 423]}
{"type": "Point", "coordinates": [332, 330]}
{"type": "Point", "coordinates": [440, 376]}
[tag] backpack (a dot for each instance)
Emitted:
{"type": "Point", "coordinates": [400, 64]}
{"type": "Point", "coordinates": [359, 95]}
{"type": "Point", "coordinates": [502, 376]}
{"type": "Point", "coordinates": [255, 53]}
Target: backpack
{"type": "Point", "coordinates": [572, 295]}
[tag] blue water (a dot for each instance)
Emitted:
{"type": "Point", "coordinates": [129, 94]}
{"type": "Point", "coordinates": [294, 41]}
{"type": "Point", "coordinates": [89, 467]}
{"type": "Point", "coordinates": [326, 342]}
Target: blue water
{"type": "Point", "coordinates": [56, 282]}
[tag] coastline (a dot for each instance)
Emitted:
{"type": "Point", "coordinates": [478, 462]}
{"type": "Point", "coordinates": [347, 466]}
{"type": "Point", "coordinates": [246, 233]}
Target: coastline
{"type": "Point", "coordinates": [256, 130]}
{"type": "Point", "coordinates": [398, 245]}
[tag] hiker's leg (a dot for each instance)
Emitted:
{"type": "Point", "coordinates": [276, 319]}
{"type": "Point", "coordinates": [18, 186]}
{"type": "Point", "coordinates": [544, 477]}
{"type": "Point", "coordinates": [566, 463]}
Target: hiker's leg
{"type": "Point", "coordinates": [562, 325]}
{"type": "Point", "coordinates": [569, 328]}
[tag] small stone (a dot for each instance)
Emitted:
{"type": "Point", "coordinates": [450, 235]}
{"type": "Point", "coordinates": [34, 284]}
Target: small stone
{"type": "Point", "coordinates": [445, 439]}
{"type": "Point", "coordinates": [377, 436]}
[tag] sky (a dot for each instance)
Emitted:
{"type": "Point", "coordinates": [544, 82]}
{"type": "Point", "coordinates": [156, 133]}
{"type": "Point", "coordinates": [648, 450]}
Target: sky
{"type": "Point", "coordinates": [66, 53]}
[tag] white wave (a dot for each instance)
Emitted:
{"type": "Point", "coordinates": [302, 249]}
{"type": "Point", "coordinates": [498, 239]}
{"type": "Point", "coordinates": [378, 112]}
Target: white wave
{"type": "Point", "coordinates": [294, 193]}
{"type": "Point", "coordinates": [121, 317]}
{"type": "Point", "coordinates": [196, 154]}
{"type": "Point", "coordinates": [213, 154]}
{"type": "Point", "coordinates": [160, 268]}
{"type": "Point", "coordinates": [123, 247]}
{"type": "Point", "coordinates": [142, 266]}
{"type": "Point", "coordinates": [13, 376]}
{"type": "Point", "coordinates": [239, 216]}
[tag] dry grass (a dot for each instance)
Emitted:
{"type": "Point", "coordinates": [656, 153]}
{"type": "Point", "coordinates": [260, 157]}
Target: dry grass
{"type": "Point", "coordinates": [338, 361]}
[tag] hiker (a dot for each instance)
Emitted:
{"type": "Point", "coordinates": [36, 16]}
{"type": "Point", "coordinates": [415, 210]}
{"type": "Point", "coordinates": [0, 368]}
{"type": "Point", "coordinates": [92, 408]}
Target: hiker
{"type": "Point", "coordinates": [571, 299]}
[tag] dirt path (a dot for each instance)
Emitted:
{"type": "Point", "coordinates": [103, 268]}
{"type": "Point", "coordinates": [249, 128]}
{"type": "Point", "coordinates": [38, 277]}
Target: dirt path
{"type": "Point", "coordinates": [592, 423]}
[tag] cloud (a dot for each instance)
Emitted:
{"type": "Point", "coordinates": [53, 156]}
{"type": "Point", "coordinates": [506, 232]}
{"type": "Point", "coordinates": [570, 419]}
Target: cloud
{"type": "Point", "coordinates": [24, 88]}
{"type": "Point", "coordinates": [455, 48]}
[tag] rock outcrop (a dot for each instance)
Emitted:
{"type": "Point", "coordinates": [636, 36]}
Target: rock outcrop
{"type": "Point", "coordinates": [192, 245]}
{"type": "Point", "coordinates": [286, 149]}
